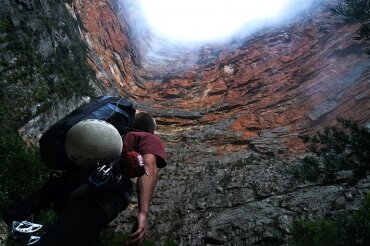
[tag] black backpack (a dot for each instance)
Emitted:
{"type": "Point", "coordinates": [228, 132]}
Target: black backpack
{"type": "Point", "coordinates": [117, 111]}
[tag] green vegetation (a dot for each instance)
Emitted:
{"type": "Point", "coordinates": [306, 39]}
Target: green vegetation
{"type": "Point", "coordinates": [119, 238]}
{"type": "Point", "coordinates": [343, 148]}
{"type": "Point", "coordinates": [357, 11]}
{"type": "Point", "coordinates": [4, 25]}
{"type": "Point", "coordinates": [345, 230]}
{"type": "Point", "coordinates": [22, 172]}
{"type": "Point", "coordinates": [338, 149]}
{"type": "Point", "coordinates": [113, 238]}
{"type": "Point", "coordinates": [21, 169]}
{"type": "Point", "coordinates": [226, 179]}
{"type": "Point", "coordinates": [314, 233]}
{"type": "Point", "coordinates": [41, 59]}
{"type": "Point", "coordinates": [253, 158]}
{"type": "Point", "coordinates": [46, 218]}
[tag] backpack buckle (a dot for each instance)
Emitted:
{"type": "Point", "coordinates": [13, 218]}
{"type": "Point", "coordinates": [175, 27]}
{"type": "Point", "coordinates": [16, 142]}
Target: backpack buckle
{"type": "Point", "coordinates": [101, 176]}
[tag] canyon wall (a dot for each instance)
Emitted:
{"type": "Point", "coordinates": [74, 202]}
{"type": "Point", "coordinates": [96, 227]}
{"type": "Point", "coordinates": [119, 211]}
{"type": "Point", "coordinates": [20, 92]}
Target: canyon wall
{"type": "Point", "coordinates": [229, 113]}
{"type": "Point", "coordinates": [284, 81]}
{"type": "Point", "coordinates": [231, 119]}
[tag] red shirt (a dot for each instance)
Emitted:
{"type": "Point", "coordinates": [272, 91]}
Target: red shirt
{"type": "Point", "coordinates": [145, 143]}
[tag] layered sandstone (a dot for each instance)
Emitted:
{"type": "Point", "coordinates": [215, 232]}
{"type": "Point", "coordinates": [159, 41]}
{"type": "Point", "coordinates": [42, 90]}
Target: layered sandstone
{"type": "Point", "coordinates": [274, 85]}
{"type": "Point", "coordinates": [230, 115]}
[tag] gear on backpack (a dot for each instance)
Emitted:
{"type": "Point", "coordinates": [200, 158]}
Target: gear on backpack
{"type": "Point", "coordinates": [92, 141]}
{"type": "Point", "coordinates": [22, 232]}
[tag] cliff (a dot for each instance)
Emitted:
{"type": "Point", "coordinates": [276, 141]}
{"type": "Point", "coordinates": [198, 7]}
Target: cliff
{"type": "Point", "coordinates": [285, 81]}
{"type": "Point", "coordinates": [229, 113]}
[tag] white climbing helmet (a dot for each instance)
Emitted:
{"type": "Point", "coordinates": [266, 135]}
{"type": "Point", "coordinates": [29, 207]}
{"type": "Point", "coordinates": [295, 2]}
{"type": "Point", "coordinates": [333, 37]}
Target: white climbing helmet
{"type": "Point", "coordinates": [91, 141]}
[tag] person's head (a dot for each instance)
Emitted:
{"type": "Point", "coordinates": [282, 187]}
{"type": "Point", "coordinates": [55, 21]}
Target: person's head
{"type": "Point", "coordinates": [144, 122]}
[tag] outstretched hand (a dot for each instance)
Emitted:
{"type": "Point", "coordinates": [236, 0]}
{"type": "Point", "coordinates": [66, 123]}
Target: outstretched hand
{"type": "Point", "coordinates": [139, 230]}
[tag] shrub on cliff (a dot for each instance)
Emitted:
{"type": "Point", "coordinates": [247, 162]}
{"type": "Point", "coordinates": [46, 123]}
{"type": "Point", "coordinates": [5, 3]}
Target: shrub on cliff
{"type": "Point", "coordinates": [22, 170]}
{"type": "Point", "coordinates": [42, 58]}
{"type": "Point", "coordinates": [344, 148]}
{"type": "Point", "coordinates": [116, 238]}
{"type": "Point", "coordinates": [333, 151]}
{"type": "Point", "coordinates": [340, 231]}
{"type": "Point", "coordinates": [357, 11]}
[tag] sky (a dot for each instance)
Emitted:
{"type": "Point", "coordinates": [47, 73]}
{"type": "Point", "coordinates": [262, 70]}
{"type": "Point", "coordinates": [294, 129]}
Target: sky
{"type": "Point", "coordinates": [210, 20]}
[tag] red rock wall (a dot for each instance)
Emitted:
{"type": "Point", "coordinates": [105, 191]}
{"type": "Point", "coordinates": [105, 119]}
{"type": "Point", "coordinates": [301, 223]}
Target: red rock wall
{"type": "Point", "coordinates": [290, 80]}
{"type": "Point", "coordinates": [110, 55]}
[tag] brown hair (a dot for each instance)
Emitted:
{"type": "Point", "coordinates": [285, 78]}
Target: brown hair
{"type": "Point", "coordinates": [144, 122]}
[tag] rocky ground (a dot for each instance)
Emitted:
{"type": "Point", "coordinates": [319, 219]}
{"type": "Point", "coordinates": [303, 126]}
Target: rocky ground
{"type": "Point", "coordinates": [240, 198]}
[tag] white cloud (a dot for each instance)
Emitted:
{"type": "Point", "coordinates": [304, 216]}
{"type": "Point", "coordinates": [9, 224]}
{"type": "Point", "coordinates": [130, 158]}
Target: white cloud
{"type": "Point", "coordinates": [207, 20]}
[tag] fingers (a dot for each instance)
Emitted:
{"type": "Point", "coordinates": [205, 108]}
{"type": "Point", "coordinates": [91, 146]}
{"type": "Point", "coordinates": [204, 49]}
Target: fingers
{"type": "Point", "coordinates": [139, 230]}
{"type": "Point", "coordinates": [137, 237]}
{"type": "Point", "coordinates": [134, 228]}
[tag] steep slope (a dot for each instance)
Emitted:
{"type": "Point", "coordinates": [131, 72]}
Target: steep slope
{"type": "Point", "coordinates": [229, 114]}
{"type": "Point", "coordinates": [218, 107]}
{"type": "Point", "coordinates": [283, 81]}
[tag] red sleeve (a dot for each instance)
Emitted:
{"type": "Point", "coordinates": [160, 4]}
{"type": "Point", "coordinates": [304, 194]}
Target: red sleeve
{"type": "Point", "coordinates": [146, 143]}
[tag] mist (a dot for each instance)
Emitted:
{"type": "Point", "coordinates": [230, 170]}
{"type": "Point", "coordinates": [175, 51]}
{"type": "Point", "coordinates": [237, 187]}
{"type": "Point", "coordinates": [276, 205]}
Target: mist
{"type": "Point", "coordinates": [174, 29]}
{"type": "Point", "coordinates": [209, 20]}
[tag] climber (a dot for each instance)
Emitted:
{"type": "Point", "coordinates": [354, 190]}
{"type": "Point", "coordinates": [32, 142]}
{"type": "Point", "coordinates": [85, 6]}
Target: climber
{"type": "Point", "coordinates": [87, 207]}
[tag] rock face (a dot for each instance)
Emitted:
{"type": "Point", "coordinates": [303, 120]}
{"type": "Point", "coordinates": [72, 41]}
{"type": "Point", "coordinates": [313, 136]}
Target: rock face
{"type": "Point", "coordinates": [255, 94]}
{"type": "Point", "coordinates": [230, 115]}
{"type": "Point", "coordinates": [291, 79]}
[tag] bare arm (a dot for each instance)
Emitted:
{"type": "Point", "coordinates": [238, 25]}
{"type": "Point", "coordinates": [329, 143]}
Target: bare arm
{"type": "Point", "coordinates": [146, 185]}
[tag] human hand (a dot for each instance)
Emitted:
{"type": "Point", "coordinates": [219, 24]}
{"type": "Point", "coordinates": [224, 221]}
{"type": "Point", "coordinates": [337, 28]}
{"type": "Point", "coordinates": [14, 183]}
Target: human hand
{"type": "Point", "coordinates": [139, 230]}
